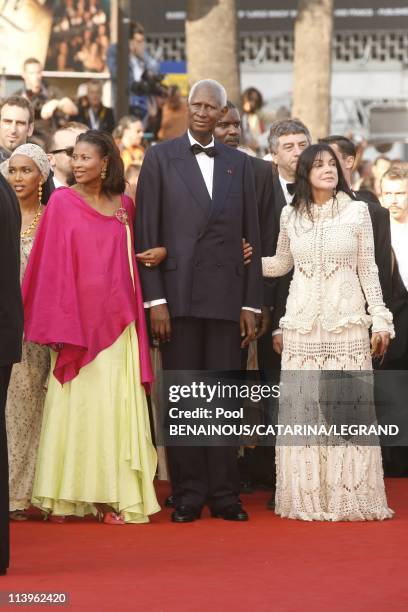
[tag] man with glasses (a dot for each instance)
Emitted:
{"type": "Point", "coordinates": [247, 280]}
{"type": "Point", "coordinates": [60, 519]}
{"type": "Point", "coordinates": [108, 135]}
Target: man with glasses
{"type": "Point", "coordinates": [60, 152]}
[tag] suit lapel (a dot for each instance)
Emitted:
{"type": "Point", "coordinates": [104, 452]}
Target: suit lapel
{"type": "Point", "coordinates": [190, 173]}
{"type": "Point", "coordinates": [279, 197]}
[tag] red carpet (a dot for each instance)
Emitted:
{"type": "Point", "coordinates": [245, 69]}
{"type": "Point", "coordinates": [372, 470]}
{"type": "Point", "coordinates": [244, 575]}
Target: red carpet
{"type": "Point", "coordinates": [268, 564]}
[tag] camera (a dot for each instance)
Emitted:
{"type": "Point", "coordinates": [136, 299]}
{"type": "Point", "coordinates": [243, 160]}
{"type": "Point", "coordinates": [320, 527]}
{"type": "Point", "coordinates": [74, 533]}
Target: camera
{"type": "Point", "coordinates": [150, 84]}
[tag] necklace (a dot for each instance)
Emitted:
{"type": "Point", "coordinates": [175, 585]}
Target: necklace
{"type": "Point", "coordinates": [33, 223]}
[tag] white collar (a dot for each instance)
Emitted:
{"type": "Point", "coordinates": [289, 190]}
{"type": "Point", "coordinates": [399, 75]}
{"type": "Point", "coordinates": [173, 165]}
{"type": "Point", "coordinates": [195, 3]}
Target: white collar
{"type": "Point", "coordinates": [57, 182]}
{"type": "Point", "coordinates": [194, 141]}
{"type": "Point", "coordinates": [284, 182]}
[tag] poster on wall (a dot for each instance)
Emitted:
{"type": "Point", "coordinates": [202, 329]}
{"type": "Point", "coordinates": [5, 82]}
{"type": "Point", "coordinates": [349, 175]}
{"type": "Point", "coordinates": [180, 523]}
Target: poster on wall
{"type": "Point", "coordinates": [65, 35]}
{"type": "Point", "coordinates": [80, 35]}
{"type": "Point", "coordinates": [25, 28]}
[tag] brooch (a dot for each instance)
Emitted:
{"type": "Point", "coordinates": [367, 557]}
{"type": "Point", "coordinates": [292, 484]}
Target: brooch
{"type": "Point", "coordinates": [122, 216]}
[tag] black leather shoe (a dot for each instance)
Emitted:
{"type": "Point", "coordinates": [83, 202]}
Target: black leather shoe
{"type": "Point", "coordinates": [3, 571]}
{"type": "Point", "coordinates": [169, 502]}
{"type": "Point", "coordinates": [270, 504]}
{"type": "Point", "coordinates": [235, 512]}
{"type": "Point", "coordinates": [185, 514]}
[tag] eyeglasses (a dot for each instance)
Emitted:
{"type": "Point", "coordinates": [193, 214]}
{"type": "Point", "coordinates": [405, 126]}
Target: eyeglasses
{"type": "Point", "coordinates": [68, 151]}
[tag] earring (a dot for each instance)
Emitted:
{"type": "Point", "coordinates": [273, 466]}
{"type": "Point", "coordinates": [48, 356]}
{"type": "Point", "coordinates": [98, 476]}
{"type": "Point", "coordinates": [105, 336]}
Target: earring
{"type": "Point", "coordinates": [40, 190]}
{"type": "Point", "coordinates": [103, 173]}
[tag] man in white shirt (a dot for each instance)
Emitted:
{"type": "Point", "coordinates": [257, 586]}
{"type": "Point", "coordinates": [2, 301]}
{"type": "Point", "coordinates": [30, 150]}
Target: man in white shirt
{"type": "Point", "coordinates": [394, 197]}
{"type": "Point", "coordinates": [60, 152]}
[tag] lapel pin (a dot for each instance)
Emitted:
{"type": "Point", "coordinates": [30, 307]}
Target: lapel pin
{"type": "Point", "coordinates": [229, 171]}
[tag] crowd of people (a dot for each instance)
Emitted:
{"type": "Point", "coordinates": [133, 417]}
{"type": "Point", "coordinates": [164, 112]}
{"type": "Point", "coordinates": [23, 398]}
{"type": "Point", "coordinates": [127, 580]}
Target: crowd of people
{"type": "Point", "coordinates": [79, 37]}
{"type": "Point", "coordinates": [104, 282]}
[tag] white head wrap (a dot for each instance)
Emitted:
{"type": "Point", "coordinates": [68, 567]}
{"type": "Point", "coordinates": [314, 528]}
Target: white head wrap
{"type": "Point", "coordinates": [35, 153]}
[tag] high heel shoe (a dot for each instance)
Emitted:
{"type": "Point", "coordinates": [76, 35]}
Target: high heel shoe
{"type": "Point", "coordinates": [112, 518]}
{"type": "Point", "coordinates": [56, 518]}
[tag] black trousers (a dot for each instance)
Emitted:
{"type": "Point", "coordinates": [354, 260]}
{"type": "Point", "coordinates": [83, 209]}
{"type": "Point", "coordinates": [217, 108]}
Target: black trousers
{"type": "Point", "coordinates": [203, 475]}
{"type": "Point", "coordinates": [267, 360]}
{"type": "Point", "coordinates": [5, 372]}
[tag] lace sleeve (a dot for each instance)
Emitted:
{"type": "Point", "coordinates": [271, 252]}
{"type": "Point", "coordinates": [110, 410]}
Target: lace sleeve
{"type": "Point", "coordinates": [281, 263]}
{"type": "Point", "coordinates": [368, 275]}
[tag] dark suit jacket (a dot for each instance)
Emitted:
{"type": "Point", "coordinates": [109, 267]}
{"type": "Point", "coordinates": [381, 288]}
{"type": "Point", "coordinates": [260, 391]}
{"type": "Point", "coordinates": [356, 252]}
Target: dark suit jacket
{"type": "Point", "coordinates": [380, 219]}
{"type": "Point", "coordinates": [203, 274]}
{"type": "Point", "coordinates": [11, 309]}
{"type": "Point", "coordinates": [268, 226]}
{"type": "Point", "coordinates": [398, 349]}
{"type": "Point", "coordinates": [106, 118]}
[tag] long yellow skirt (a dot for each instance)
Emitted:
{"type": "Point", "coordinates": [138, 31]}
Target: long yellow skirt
{"type": "Point", "coordinates": [95, 444]}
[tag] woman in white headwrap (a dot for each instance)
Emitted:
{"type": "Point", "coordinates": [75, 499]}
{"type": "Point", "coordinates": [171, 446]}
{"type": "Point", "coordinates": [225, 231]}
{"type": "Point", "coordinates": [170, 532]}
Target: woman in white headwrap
{"type": "Point", "coordinates": [26, 170]}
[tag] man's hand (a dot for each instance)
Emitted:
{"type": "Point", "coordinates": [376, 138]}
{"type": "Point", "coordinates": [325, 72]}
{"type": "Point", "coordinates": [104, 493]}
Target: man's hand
{"type": "Point", "coordinates": [160, 323]}
{"type": "Point", "coordinates": [152, 257]}
{"type": "Point", "coordinates": [247, 249]}
{"type": "Point", "coordinates": [263, 324]}
{"type": "Point", "coordinates": [277, 343]}
{"type": "Point", "coordinates": [247, 326]}
{"type": "Point", "coordinates": [379, 344]}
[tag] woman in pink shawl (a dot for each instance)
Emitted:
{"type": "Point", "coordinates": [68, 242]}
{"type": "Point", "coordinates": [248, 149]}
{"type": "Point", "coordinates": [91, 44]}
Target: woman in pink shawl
{"type": "Point", "coordinates": [82, 298]}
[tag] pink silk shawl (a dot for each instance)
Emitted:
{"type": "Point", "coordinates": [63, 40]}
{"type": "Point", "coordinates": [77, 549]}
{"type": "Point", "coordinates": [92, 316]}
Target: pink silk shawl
{"type": "Point", "coordinates": [78, 292]}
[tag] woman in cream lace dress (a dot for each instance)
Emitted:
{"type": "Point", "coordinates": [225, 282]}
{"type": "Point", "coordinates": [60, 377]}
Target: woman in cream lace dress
{"type": "Point", "coordinates": [328, 239]}
{"type": "Point", "coordinates": [26, 171]}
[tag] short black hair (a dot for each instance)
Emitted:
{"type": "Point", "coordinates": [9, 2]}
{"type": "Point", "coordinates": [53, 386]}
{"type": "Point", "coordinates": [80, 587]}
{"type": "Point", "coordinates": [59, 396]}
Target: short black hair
{"type": "Point", "coordinates": [114, 183]}
{"type": "Point", "coordinates": [346, 146]}
{"type": "Point", "coordinates": [230, 104]}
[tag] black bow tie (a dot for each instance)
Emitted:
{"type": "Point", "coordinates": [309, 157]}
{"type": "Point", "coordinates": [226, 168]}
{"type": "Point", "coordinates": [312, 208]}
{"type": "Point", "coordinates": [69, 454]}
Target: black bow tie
{"type": "Point", "coordinates": [291, 188]}
{"type": "Point", "coordinates": [196, 149]}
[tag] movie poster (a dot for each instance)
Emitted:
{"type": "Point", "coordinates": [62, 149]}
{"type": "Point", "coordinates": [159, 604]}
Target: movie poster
{"type": "Point", "coordinates": [65, 35]}
{"type": "Point", "coordinates": [25, 28]}
{"type": "Point", "coordinates": [80, 35]}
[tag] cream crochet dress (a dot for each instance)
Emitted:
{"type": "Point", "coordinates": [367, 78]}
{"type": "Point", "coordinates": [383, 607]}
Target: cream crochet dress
{"type": "Point", "coordinates": [325, 327]}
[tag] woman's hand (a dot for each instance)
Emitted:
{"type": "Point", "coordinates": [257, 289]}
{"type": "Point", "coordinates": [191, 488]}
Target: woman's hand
{"type": "Point", "coordinates": [247, 250]}
{"type": "Point", "coordinates": [379, 344]}
{"type": "Point", "coordinates": [152, 257]}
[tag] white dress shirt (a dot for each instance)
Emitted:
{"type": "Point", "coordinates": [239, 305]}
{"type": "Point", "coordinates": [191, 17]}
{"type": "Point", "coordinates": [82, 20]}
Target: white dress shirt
{"type": "Point", "coordinates": [206, 165]}
{"type": "Point", "coordinates": [399, 241]}
{"type": "Point", "coordinates": [57, 182]}
{"type": "Point", "coordinates": [288, 196]}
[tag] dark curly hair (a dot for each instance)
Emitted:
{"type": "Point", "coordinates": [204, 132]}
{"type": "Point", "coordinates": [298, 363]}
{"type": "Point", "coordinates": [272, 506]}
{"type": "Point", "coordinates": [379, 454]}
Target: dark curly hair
{"type": "Point", "coordinates": [114, 182]}
{"type": "Point", "coordinates": [303, 198]}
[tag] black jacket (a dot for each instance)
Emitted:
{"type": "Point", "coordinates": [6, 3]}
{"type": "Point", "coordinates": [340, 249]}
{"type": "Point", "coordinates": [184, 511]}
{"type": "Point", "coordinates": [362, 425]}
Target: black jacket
{"type": "Point", "coordinates": [11, 309]}
{"type": "Point", "coordinates": [203, 274]}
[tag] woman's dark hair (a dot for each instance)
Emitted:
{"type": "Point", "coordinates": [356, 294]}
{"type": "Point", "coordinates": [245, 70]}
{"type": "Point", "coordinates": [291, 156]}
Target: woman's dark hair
{"type": "Point", "coordinates": [254, 96]}
{"type": "Point", "coordinates": [303, 198]}
{"type": "Point", "coordinates": [114, 182]}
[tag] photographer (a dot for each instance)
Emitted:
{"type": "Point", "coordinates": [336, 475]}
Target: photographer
{"type": "Point", "coordinates": [142, 69]}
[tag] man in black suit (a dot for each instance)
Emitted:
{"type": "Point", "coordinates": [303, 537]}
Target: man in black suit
{"type": "Point", "coordinates": [287, 139]}
{"type": "Point", "coordinates": [196, 197]}
{"type": "Point", "coordinates": [92, 112]}
{"type": "Point", "coordinates": [256, 463]}
{"type": "Point", "coordinates": [346, 152]}
{"type": "Point", "coordinates": [11, 331]}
